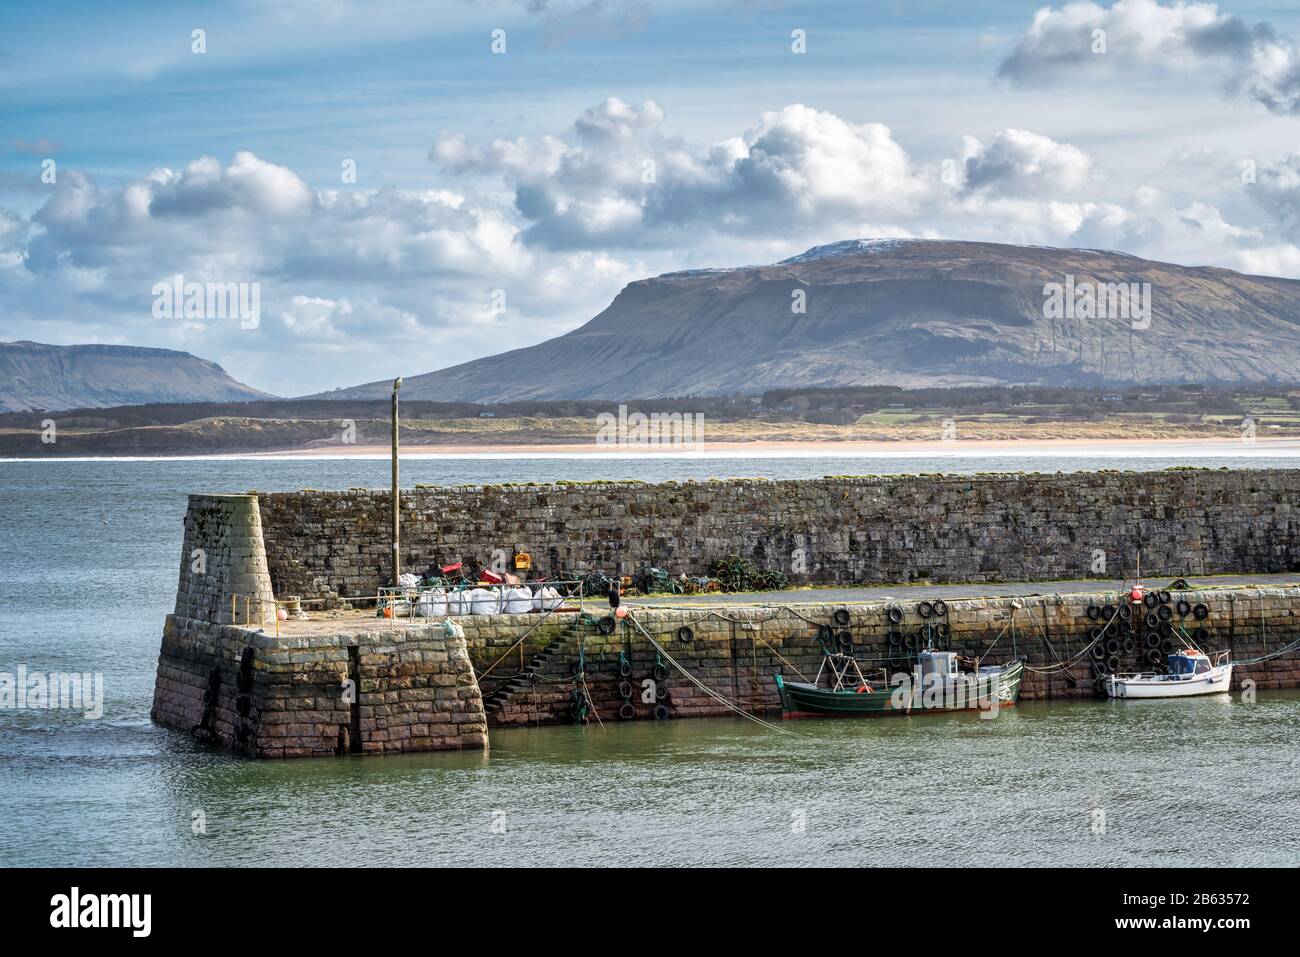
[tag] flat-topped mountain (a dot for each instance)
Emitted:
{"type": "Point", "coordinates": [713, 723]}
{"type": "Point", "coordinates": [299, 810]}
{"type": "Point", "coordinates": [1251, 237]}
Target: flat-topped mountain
{"type": "Point", "coordinates": [34, 375]}
{"type": "Point", "coordinates": [900, 312]}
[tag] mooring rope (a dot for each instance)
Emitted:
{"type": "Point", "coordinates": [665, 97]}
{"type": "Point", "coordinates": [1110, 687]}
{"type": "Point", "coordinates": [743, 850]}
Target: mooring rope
{"type": "Point", "coordinates": [731, 705]}
{"type": "Point", "coordinates": [1068, 663]}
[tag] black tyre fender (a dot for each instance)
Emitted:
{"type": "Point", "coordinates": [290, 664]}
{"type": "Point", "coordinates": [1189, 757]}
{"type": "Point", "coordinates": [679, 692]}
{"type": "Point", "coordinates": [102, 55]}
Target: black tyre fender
{"type": "Point", "coordinates": [661, 712]}
{"type": "Point", "coordinates": [940, 607]}
{"type": "Point", "coordinates": [625, 669]}
{"type": "Point", "coordinates": [1165, 613]}
{"type": "Point", "coordinates": [925, 609]}
{"type": "Point", "coordinates": [658, 673]}
{"type": "Point", "coordinates": [1201, 634]}
{"type": "Point", "coordinates": [626, 711]}
{"type": "Point", "coordinates": [1151, 599]}
{"type": "Point", "coordinates": [1094, 612]}
{"type": "Point", "coordinates": [685, 635]}
{"type": "Point", "coordinates": [1184, 607]}
{"type": "Point", "coordinates": [606, 625]}
{"type": "Point", "coordinates": [1113, 647]}
{"type": "Point", "coordinates": [842, 617]}
{"type": "Point", "coordinates": [625, 689]}
{"type": "Point", "coordinates": [1201, 611]}
{"type": "Point", "coordinates": [845, 640]}
{"type": "Point", "coordinates": [895, 614]}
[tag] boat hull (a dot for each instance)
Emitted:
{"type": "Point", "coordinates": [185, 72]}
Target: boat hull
{"type": "Point", "coordinates": [1215, 681]}
{"type": "Point", "coordinates": [804, 700]}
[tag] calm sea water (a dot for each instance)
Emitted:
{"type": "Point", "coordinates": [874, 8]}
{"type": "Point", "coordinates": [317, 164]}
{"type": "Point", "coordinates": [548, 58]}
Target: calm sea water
{"type": "Point", "coordinates": [88, 560]}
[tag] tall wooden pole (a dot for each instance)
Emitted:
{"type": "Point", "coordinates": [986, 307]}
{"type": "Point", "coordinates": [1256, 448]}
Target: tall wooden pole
{"type": "Point", "coordinates": [397, 529]}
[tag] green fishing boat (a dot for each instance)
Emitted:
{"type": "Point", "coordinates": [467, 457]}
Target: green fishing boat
{"type": "Point", "coordinates": [940, 681]}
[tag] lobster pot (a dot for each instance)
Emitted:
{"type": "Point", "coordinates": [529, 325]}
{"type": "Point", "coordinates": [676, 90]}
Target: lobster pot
{"type": "Point", "coordinates": [518, 601]}
{"type": "Point", "coordinates": [433, 603]}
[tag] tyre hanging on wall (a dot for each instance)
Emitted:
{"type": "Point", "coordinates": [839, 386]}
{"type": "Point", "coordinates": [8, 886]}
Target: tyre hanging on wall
{"type": "Point", "coordinates": [606, 625]}
{"type": "Point", "coordinates": [685, 635]}
{"type": "Point", "coordinates": [626, 711]}
{"type": "Point", "coordinates": [842, 617]}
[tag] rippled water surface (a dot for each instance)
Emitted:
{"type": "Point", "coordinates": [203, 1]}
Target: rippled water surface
{"type": "Point", "coordinates": [88, 559]}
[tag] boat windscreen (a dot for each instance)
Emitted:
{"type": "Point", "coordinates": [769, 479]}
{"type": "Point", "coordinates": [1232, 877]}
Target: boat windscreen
{"type": "Point", "coordinates": [1181, 665]}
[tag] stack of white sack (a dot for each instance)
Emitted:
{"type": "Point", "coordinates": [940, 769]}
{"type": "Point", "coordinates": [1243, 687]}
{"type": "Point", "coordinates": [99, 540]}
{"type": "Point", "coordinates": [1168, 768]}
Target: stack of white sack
{"type": "Point", "coordinates": [546, 599]}
{"type": "Point", "coordinates": [483, 601]}
{"type": "Point", "coordinates": [518, 600]}
{"type": "Point", "coordinates": [433, 603]}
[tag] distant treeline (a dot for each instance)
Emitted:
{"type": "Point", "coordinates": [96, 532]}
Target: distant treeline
{"type": "Point", "coordinates": [829, 404]}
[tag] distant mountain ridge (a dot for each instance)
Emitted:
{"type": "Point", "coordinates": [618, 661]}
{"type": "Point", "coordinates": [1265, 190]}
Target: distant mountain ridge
{"type": "Point", "coordinates": [35, 375]}
{"type": "Point", "coordinates": [901, 312]}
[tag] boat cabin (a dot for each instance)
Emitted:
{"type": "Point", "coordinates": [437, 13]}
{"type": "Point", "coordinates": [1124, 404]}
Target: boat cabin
{"type": "Point", "coordinates": [1184, 664]}
{"type": "Point", "coordinates": [938, 663]}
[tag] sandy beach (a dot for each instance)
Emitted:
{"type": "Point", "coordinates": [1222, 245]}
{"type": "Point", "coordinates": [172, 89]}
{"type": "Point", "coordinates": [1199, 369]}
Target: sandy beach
{"type": "Point", "coordinates": [977, 448]}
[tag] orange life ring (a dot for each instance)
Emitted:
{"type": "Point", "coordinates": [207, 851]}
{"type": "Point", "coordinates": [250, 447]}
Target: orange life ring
{"type": "Point", "coordinates": [864, 689]}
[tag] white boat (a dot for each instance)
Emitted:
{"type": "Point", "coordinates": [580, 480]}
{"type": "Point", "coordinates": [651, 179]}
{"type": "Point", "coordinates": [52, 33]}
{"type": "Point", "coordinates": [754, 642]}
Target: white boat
{"type": "Point", "coordinates": [1190, 673]}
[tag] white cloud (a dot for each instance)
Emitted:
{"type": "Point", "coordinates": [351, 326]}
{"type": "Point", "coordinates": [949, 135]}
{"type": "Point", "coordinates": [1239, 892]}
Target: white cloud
{"type": "Point", "coordinates": [613, 179]}
{"type": "Point", "coordinates": [1020, 162]}
{"type": "Point", "coordinates": [396, 276]}
{"type": "Point", "coordinates": [1085, 38]}
{"type": "Point", "coordinates": [365, 284]}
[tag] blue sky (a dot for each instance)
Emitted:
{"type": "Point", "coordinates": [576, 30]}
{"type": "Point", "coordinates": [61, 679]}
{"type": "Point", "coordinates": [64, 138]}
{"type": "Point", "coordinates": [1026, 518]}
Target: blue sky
{"type": "Point", "coordinates": [519, 178]}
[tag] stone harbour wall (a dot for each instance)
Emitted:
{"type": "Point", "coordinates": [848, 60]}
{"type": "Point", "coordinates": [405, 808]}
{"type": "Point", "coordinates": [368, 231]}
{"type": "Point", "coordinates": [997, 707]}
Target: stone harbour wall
{"type": "Point", "coordinates": [836, 530]}
{"type": "Point", "coordinates": [736, 651]}
{"type": "Point", "coordinates": [265, 696]}
{"type": "Point", "coordinates": [223, 556]}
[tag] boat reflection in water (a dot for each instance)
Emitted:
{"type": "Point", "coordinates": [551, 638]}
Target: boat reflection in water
{"type": "Point", "coordinates": [940, 681]}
